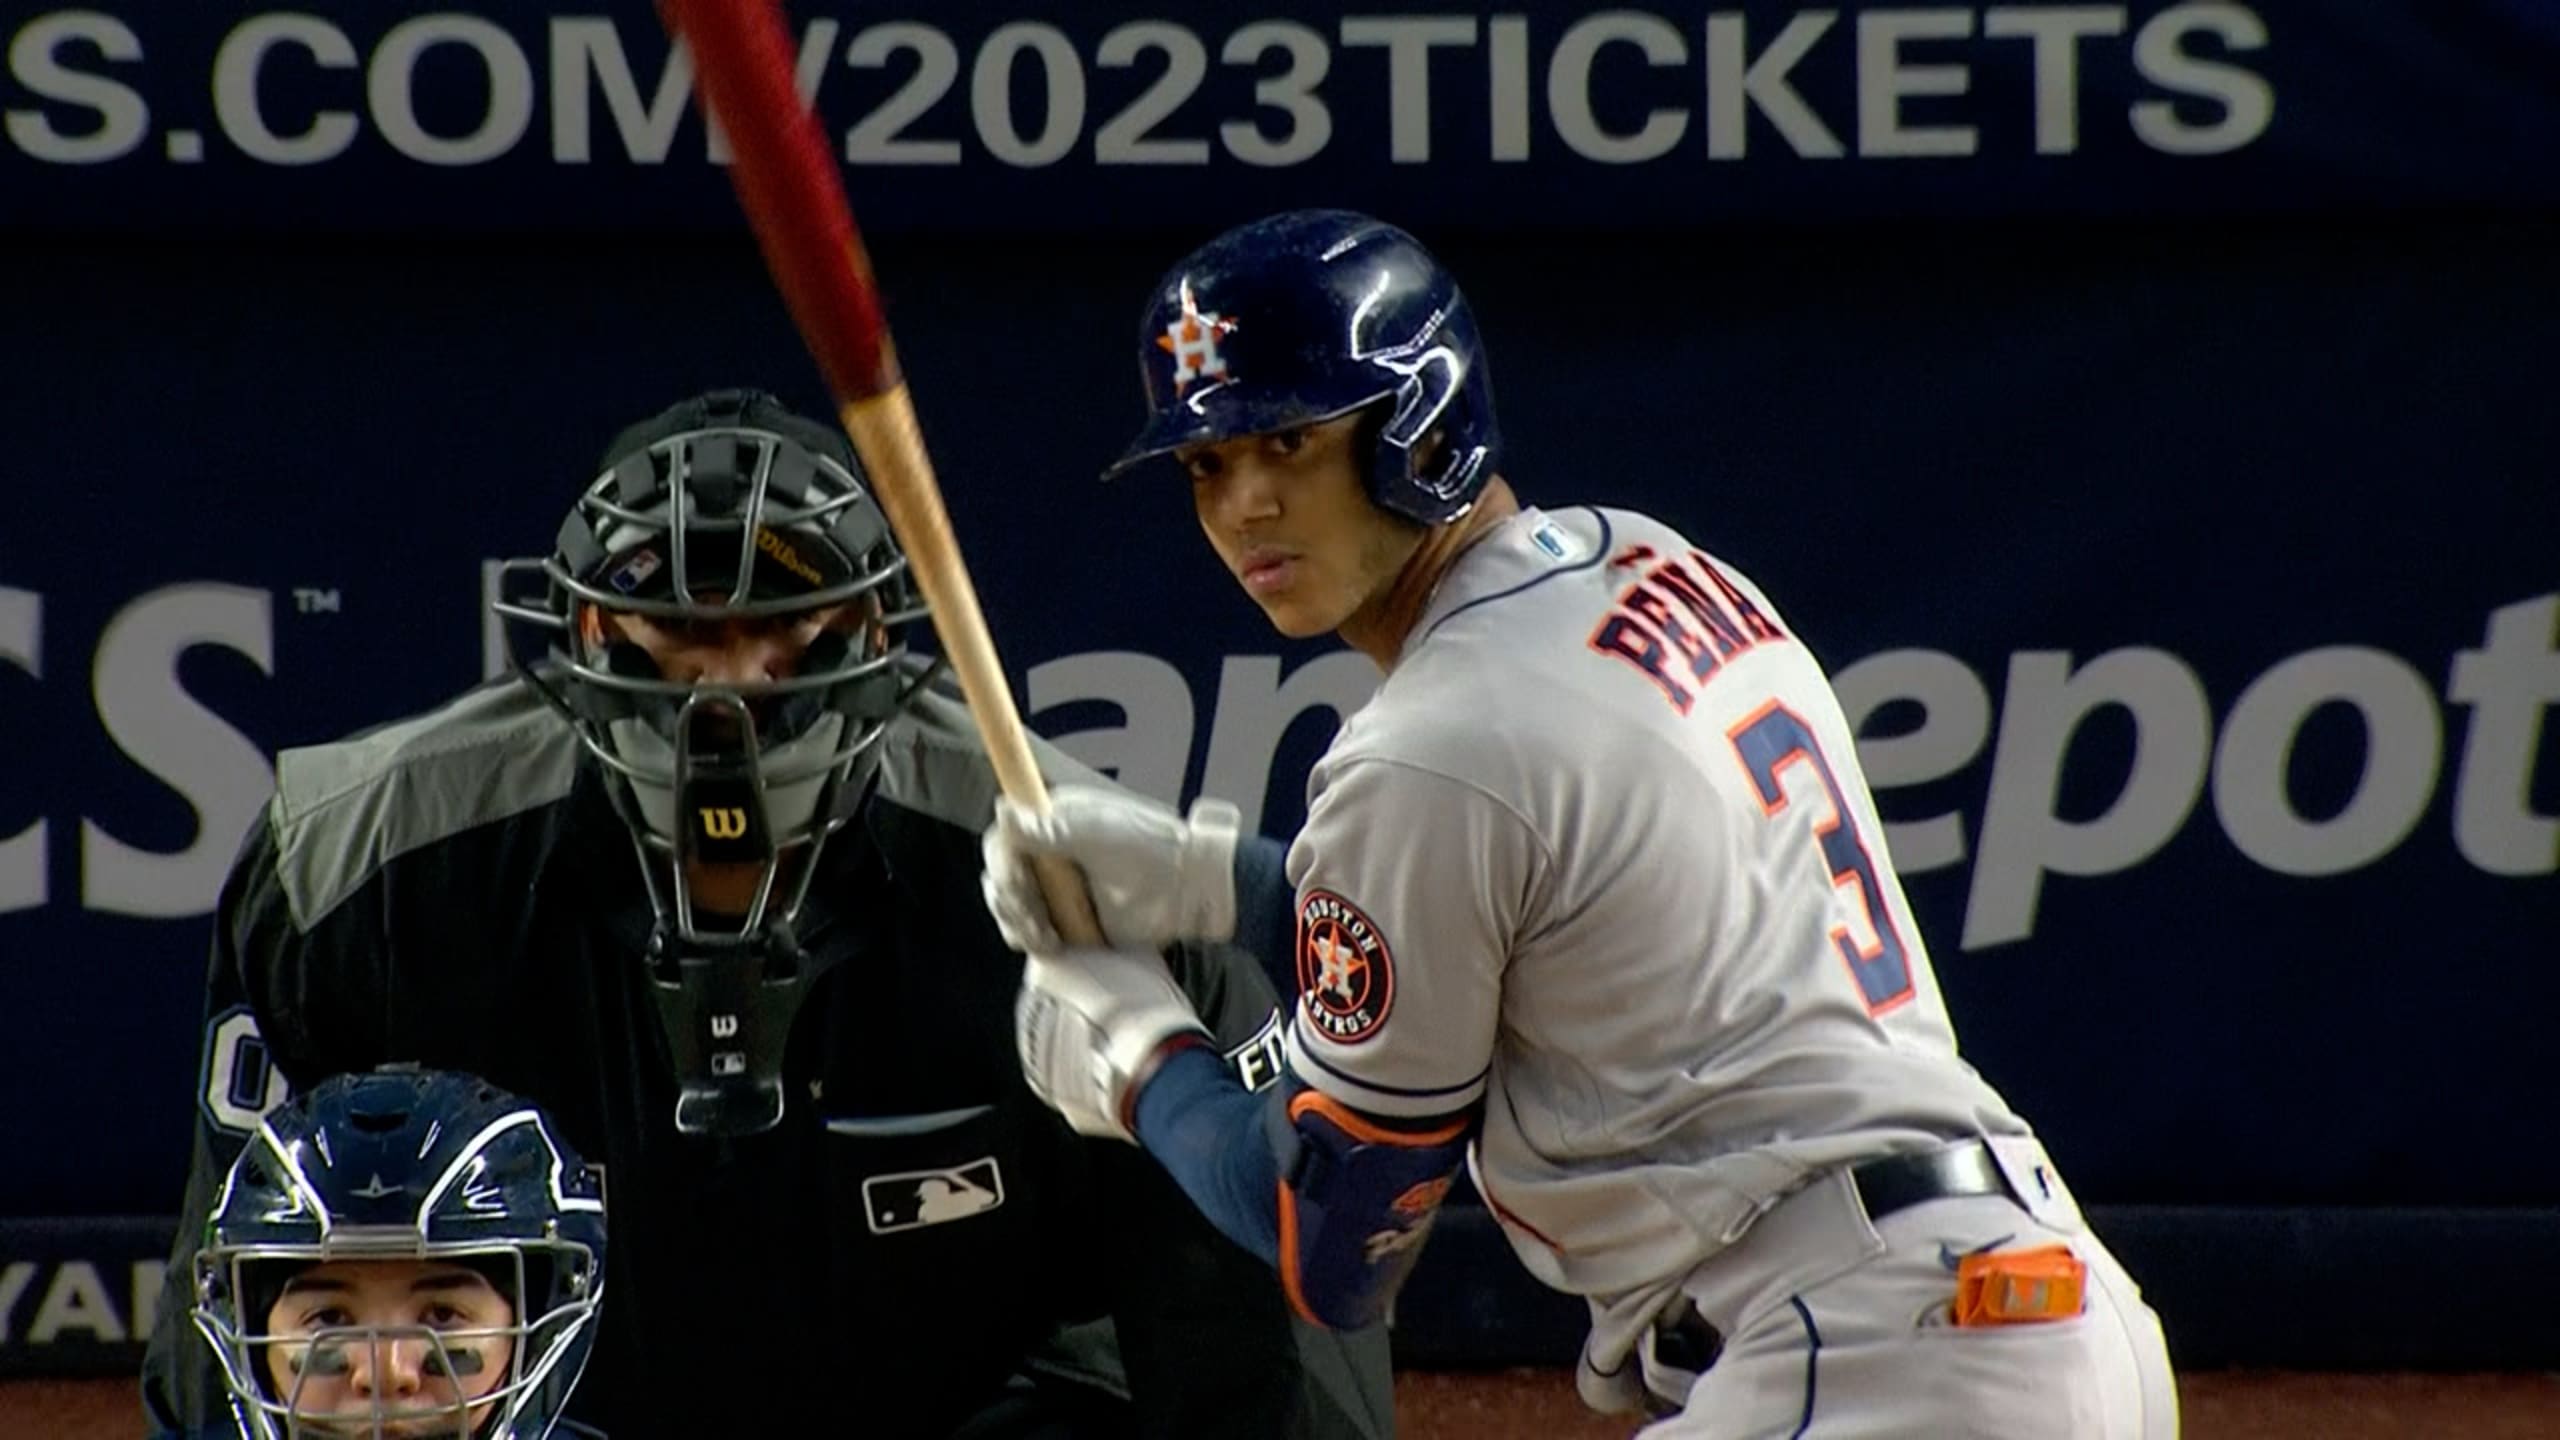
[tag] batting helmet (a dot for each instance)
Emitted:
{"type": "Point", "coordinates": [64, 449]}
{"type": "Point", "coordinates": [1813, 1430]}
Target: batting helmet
{"type": "Point", "coordinates": [1303, 316]}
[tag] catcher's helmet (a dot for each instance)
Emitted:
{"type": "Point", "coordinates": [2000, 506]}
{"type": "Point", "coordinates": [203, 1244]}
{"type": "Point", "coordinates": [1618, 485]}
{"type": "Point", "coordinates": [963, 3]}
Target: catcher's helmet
{"type": "Point", "coordinates": [1311, 314]}
{"type": "Point", "coordinates": [407, 1164]}
{"type": "Point", "coordinates": [727, 507]}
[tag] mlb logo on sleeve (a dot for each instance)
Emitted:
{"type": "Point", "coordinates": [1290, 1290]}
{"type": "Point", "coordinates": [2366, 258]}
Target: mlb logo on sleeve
{"type": "Point", "coordinates": [915, 1198]}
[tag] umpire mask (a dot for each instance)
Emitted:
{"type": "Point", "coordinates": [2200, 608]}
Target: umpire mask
{"type": "Point", "coordinates": [723, 517]}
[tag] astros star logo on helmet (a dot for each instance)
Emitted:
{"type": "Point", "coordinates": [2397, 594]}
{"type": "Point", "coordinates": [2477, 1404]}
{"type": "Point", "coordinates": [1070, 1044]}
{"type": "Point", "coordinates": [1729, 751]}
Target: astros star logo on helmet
{"type": "Point", "coordinates": [1192, 340]}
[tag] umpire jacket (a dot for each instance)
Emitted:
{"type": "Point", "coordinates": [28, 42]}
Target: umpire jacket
{"type": "Point", "coordinates": [455, 889]}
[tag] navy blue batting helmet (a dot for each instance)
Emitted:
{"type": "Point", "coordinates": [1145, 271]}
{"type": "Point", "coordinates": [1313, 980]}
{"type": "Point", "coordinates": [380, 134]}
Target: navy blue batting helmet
{"type": "Point", "coordinates": [1307, 315]}
{"type": "Point", "coordinates": [406, 1164]}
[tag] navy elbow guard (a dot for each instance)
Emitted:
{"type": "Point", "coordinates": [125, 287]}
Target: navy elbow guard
{"type": "Point", "coordinates": [1356, 1200]}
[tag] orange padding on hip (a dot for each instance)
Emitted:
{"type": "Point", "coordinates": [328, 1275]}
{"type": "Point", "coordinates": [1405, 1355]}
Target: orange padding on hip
{"type": "Point", "coordinates": [2019, 1287]}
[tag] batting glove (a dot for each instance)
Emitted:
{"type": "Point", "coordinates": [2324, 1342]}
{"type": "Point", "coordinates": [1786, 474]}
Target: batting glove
{"type": "Point", "coordinates": [1091, 1026]}
{"type": "Point", "coordinates": [1154, 879]}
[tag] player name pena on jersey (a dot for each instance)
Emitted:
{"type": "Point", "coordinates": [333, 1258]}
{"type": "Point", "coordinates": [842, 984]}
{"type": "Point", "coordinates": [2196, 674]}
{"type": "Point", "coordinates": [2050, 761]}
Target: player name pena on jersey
{"type": "Point", "coordinates": [1647, 630]}
{"type": "Point", "coordinates": [1346, 978]}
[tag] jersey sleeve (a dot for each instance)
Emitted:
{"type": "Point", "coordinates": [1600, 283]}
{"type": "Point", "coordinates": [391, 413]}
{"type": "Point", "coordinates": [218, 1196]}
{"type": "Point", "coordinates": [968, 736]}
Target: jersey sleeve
{"type": "Point", "coordinates": [181, 1391]}
{"type": "Point", "coordinates": [236, 1082]}
{"type": "Point", "coordinates": [262, 1010]}
{"type": "Point", "coordinates": [1411, 889]}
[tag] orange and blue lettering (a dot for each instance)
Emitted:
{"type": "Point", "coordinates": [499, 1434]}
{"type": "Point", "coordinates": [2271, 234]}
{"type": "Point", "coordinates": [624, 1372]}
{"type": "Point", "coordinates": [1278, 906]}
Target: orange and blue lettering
{"type": "Point", "coordinates": [1627, 638]}
{"type": "Point", "coordinates": [1761, 626]}
{"type": "Point", "coordinates": [1685, 589]}
{"type": "Point", "coordinates": [1653, 609]}
{"type": "Point", "coordinates": [1774, 738]}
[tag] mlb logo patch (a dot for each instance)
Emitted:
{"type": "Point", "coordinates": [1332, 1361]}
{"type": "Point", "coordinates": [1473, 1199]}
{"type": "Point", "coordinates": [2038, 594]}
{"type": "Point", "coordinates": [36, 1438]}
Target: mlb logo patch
{"type": "Point", "coordinates": [1548, 538]}
{"type": "Point", "coordinates": [916, 1198]}
{"type": "Point", "coordinates": [635, 571]}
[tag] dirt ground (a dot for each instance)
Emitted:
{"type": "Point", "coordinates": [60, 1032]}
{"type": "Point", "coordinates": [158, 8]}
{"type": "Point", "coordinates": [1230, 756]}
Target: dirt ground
{"type": "Point", "coordinates": [2216, 1405]}
{"type": "Point", "coordinates": [1540, 1405]}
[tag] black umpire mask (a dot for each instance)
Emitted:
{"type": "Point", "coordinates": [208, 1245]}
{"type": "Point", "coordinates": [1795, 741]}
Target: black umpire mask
{"type": "Point", "coordinates": [721, 514]}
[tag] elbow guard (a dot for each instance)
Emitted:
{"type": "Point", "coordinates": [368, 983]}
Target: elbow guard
{"type": "Point", "coordinates": [1356, 1200]}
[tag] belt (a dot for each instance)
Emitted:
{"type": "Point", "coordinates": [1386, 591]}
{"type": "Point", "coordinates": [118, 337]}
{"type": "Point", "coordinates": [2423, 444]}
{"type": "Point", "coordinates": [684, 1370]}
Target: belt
{"type": "Point", "coordinates": [1685, 1344]}
{"type": "Point", "coordinates": [1898, 1182]}
{"type": "Point", "coordinates": [1885, 1184]}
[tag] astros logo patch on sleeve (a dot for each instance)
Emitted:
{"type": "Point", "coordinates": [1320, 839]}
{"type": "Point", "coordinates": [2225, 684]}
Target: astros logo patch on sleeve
{"type": "Point", "coordinates": [1346, 979]}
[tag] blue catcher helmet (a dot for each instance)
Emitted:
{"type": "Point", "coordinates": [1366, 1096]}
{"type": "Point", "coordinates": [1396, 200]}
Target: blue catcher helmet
{"type": "Point", "coordinates": [402, 1164]}
{"type": "Point", "coordinates": [1307, 315]}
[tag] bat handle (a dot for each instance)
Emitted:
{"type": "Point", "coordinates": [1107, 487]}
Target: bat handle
{"type": "Point", "coordinates": [1061, 881]}
{"type": "Point", "coordinates": [885, 425]}
{"type": "Point", "coordinates": [1018, 773]}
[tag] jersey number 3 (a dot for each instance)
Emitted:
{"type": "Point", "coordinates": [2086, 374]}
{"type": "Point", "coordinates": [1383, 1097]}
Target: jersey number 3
{"type": "Point", "coordinates": [1768, 743]}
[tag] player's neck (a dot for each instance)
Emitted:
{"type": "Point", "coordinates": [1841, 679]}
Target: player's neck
{"type": "Point", "coordinates": [1379, 628]}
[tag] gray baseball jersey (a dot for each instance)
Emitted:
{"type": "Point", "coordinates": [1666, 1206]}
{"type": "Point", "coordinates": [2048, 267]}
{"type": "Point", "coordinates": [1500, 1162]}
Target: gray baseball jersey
{"type": "Point", "coordinates": [1599, 851]}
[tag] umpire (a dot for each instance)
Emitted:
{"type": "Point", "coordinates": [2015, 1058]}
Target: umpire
{"type": "Point", "coordinates": [701, 879]}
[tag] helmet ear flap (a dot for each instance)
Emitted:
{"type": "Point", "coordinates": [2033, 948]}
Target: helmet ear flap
{"type": "Point", "coordinates": [1404, 453]}
{"type": "Point", "coordinates": [1416, 471]}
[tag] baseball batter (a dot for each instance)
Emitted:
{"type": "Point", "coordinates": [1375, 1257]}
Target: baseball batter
{"type": "Point", "coordinates": [1592, 894]}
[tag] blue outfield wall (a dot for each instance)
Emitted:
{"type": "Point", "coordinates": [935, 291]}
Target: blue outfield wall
{"type": "Point", "coordinates": [2320, 1289]}
{"type": "Point", "coordinates": [2179, 523]}
{"type": "Point", "coordinates": [2287, 1288]}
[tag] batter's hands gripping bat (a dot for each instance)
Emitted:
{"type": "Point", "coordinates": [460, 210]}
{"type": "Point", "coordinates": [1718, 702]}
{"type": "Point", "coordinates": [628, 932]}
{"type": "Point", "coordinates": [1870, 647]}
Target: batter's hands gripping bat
{"type": "Point", "coordinates": [787, 181]}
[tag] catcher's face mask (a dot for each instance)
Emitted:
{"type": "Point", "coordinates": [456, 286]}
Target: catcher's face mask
{"type": "Point", "coordinates": [728, 608]}
{"type": "Point", "coordinates": [401, 1253]}
{"type": "Point", "coordinates": [397, 1348]}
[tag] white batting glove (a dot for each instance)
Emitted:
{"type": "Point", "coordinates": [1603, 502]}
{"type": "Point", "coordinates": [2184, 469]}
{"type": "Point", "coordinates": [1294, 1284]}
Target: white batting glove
{"type": "Point", "coordinates": [1091, 1026]}
{"type": "Point", "coordinates": [1154, 879]}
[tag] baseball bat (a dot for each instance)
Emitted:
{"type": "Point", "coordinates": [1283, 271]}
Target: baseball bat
{"type": "Point", "coordinates": [795, 201]}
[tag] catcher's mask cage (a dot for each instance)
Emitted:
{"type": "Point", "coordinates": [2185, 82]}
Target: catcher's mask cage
{"type": "Point", "coordinates": [452, 1171]}
{"type": "Point", "coordinates": [726, 508]}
